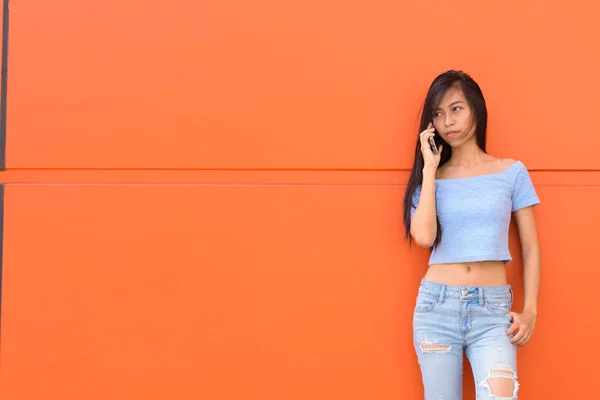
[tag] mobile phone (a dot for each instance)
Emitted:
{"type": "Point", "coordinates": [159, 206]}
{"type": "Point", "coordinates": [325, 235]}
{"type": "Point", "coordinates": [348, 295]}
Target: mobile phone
{"type": "Point", "coordinates": [433, 146]}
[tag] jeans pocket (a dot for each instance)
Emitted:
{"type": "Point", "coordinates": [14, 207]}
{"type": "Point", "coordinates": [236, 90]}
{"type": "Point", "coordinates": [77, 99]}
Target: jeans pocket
{"type": "Point", "coordinates": [500, 306]}
{"type": "Point", "coordinates": [425, 302]}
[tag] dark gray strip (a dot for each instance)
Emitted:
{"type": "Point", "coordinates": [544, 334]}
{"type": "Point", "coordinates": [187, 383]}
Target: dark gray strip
{"type": "Point", "coordinates": [4, 85]}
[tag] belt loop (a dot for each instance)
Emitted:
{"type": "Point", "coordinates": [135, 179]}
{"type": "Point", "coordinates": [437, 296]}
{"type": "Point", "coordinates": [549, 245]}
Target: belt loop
{"type": "Point", "coordinates": [441, 299]}
{"type": "Point", "coordinates": [512, 296]}
{"type": "Point", "coordinates": [481, 296]}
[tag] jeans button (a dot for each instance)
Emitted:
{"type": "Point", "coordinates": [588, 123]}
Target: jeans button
{"type": "Point", "coordinates": [464, 292]}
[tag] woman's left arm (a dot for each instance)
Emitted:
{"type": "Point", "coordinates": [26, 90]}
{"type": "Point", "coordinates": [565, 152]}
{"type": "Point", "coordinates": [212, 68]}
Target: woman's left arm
{"type": "Point", "coordinates": [524, 322]}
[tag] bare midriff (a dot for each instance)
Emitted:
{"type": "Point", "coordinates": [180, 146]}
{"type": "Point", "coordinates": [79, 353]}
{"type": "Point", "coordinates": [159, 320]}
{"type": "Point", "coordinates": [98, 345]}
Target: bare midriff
{"type": "Point", "coordinates": [483, 273]}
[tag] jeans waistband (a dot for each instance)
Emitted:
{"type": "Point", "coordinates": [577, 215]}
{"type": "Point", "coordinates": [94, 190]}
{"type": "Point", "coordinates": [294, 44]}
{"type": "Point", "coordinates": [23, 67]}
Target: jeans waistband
{"type": "Point", "coordinates": [466, 292]}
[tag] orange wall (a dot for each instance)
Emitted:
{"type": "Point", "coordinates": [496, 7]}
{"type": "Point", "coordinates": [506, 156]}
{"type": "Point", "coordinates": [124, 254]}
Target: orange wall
{"type": "Point", "coordinates": [203, 200]}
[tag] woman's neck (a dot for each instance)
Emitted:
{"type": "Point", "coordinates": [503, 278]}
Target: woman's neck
{"type": "Point", "coordinates": [468, 155]}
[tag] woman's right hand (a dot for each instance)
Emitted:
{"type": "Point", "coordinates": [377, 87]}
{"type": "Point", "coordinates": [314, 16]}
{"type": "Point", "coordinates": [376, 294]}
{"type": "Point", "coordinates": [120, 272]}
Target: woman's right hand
{"type": "Point", "coordinates": [431, 160]}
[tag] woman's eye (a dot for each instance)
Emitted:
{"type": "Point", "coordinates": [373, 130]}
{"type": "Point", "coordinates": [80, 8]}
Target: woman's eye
{"type": "Point", "coordinates": [457, 108]}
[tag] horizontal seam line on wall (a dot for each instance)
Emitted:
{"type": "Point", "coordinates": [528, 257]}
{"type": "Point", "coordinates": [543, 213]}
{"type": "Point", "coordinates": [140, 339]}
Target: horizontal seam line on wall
{"type": "Point", "coordinates": [244, 184]}
{"type": "Point", "coordinates": [263, 169]}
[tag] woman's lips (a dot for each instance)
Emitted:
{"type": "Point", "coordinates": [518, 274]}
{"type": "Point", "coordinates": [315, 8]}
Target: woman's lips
{"type": "Point", "coordinates": [451, 134]}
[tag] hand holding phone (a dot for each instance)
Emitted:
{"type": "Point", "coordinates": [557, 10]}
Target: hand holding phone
{"type": "Point", "coordinates": [429, 149]}
{"type": "Point", "coordinates": [433, 146]}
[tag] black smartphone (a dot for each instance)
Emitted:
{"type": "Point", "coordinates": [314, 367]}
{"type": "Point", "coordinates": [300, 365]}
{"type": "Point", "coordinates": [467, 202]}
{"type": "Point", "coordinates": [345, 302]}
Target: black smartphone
{"type": "Point", "coordinates": [433, 146]}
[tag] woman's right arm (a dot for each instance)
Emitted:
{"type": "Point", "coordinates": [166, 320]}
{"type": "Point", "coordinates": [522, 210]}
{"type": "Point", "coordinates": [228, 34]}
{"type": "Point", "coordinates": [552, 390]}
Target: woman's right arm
{"type": "Point", "coordinates": [423, 226]}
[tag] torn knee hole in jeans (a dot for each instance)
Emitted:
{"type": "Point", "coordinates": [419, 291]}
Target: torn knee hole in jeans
{"type": "Point", "coordinates": [501, 382]}
{"type": "Point", "coordinates": [429, 346]}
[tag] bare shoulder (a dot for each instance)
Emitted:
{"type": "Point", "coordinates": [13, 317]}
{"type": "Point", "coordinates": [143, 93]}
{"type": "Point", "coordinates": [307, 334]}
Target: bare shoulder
{"type": "Point", "coordinates": [490, 165]}
{"type": "Point", "coordinates": [497, 164]}
{"type": "Point", "coordinates": [506, 163]}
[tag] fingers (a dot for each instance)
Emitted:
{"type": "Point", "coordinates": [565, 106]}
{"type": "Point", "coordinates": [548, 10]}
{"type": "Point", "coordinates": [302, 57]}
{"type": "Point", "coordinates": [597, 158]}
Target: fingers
{"type": "Point", "coordinates": [525, 340]}
{"type": "Point", "coordinates": [518, 337]}
{"type": "Point", "coordinates": [522, 337]}
{"type": "Point", "coordinates": [514, 325]}
{"type": "Point", "coordinates": [425, 135]}
{"type": "Point", "coordinates": [429, 131]}
{"type": "Point", "coordinates": [512, 329]}
{"type": "Point", "coordinates": [523, 328]}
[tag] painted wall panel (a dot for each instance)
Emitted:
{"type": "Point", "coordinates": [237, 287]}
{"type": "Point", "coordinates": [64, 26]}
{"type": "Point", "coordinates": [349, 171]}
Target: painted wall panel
{"type": "Point", "coordinates": [299, 291]}
{"type": "Point", "coordinates": [311, 84]}
{"type": "Point", "coordinates": [203, 199]}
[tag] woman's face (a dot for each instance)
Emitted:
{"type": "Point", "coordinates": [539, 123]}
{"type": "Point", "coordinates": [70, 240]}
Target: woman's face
{"type": "Point", "coordinates": [453, 119]}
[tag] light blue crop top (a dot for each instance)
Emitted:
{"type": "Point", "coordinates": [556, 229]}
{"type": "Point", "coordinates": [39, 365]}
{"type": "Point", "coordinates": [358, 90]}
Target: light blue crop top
{"type": "Point", "coordinates": [475, 213]}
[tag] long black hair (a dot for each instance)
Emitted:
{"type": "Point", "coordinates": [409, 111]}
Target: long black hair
{"type": "Point", "coordinates": [437, 90]}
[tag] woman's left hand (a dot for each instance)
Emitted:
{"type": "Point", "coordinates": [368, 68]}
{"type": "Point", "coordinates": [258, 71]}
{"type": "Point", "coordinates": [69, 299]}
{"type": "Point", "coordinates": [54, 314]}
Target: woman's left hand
{"type": "Point", "coordinates": [524, 324]}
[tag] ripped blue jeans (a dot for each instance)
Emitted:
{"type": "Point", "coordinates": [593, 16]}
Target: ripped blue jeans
{"type": "Point", "coordinates": [448, 320]}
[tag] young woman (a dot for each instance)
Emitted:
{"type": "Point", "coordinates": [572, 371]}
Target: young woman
{"type": "Point", "coordinates": [459, 203]}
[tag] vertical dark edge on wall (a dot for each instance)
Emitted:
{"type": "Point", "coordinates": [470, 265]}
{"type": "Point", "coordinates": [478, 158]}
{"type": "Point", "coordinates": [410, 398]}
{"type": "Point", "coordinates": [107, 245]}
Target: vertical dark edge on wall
{"type": "Point", "coordinates": [4, 83]}
{"type": "Point", "coordinates": [3, 98]}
